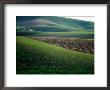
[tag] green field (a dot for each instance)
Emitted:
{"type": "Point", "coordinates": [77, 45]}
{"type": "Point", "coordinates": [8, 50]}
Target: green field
{"type": "Point", "coordinates": [80, 34]}
{"type": "Point", "coordinates": [68, 34]}
{"type": "Point", "coordinates": [54, 45]}
{"type": "Point", "coordinates": [37, 57]}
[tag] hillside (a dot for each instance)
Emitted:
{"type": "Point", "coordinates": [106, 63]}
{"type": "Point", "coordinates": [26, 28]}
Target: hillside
{"type": "Point", "coordinates": [35, 56]}
{"type": "Point", "coordinates": [53, 24]}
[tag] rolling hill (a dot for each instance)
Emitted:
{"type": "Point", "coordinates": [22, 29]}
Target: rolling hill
{"type": "Point", "coordinates": [53, 23]}
{"type": "Point", "coordinates": [54, 45]}
{"type": "Point", "coordinates": [50, 25]}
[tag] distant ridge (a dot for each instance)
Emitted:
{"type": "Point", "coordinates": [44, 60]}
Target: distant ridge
{"type": "Point", "coordinates": [54, 23]}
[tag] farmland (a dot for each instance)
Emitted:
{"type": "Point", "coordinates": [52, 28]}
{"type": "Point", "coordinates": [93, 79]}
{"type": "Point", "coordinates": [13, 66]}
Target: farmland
{"type": "Point", "coordinates": [37, 57]}
{"type": "Point", "coordinates": [54, 45]}
{"type": "Point", "coordinates": [83, 45]}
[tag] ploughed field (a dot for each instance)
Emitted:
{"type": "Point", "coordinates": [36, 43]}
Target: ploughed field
{"type": "Point", "coordinates": [42, 56]}
{"type": "Point", "coordinates": [83, 45]}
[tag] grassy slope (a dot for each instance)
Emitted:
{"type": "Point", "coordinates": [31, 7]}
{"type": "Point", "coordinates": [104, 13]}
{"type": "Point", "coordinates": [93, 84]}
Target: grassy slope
{"type": "Point", "coordinates": [59, 28]}
{"type": "Point", "coordinates": [49, 28]}
{"type": "Point", "coordinates": [80, 34]}
{"type": "Point", "coordinates": [59, 20]}
{"type": "Point", "coordinates": [39, 57]}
